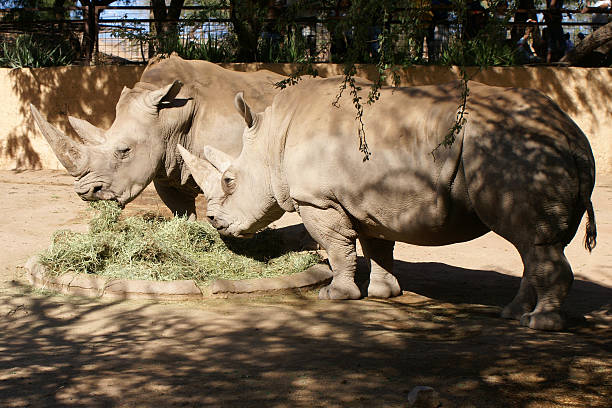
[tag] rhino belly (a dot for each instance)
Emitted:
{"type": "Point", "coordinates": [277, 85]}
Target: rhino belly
{"type": "Point", "coordinates": [420, 227]}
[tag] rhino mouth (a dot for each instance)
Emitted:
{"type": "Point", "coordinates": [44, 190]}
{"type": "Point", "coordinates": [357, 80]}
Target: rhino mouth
{"type": "Point", "coordinates": [227, 229]}
{"type": "Point", "coordinates": [90, 189]}
{"type": "Point", "coordinates": [242, 235]}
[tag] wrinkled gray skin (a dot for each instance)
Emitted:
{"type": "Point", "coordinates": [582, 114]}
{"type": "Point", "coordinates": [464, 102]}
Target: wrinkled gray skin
{"type": "Point", "coordinates": [175, 101]}
{"type": "Point", "coordinates": [520, 167]}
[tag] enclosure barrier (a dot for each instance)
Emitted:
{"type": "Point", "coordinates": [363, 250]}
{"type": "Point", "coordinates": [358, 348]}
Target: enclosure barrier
{"type": "Point", "coordinates": [91, 93]}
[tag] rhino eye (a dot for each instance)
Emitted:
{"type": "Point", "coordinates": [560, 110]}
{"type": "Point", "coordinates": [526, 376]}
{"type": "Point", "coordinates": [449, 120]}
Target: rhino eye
{"type": "Point", "coordinates": [228, 183]}
{"type": "Point", "coordinates": [123, 152]}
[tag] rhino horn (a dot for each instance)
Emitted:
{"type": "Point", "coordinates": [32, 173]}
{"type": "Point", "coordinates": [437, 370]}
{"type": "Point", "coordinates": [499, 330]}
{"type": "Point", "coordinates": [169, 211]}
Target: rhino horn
{"type": "Point", "coordinates": [71, 154]}
{"type": "Point", "coordinates": [90, 134]}
{"type": "Point", "coordinates": [204, 173]}
{"type": "Point", "coordinates": [217, 158]}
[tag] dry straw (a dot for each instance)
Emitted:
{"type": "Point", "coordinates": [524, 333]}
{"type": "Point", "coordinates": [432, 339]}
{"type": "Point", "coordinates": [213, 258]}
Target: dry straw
{"type": "Point", "coordinates": [153, 248]}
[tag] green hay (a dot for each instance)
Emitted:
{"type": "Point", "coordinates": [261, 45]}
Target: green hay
{"type": "Point", "coordinates": [153, 248]}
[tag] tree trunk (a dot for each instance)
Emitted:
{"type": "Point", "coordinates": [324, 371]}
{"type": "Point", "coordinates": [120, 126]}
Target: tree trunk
{"type": "Point", "coordinates": [591, 42]}
{"type": "Point", "coordinates": [166, 23]}
{"type": "Point", "coordinates": [90, 34]}
{"type": "Point", "coordinates": [246, 18]}
{"type": "Point", "coordinates": [90, 27]}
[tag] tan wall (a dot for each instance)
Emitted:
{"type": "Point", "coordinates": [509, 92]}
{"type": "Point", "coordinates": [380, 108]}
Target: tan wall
{"type": "Point", "coordinates": [91, 93]}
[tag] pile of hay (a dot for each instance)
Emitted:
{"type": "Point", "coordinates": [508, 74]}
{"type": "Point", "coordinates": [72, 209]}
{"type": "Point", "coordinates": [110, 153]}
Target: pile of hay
{"type": "Point", "coordinates": [153, 248]}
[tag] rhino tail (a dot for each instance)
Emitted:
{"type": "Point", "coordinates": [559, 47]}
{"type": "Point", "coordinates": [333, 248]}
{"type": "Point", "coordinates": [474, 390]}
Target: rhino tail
{"type": "Point", "coordinates": [585, 164]}
{"type": "Point", "coordinates": [590, 238]}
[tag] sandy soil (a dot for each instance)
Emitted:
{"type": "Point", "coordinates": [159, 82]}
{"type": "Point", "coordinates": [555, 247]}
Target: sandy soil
{"type": "Point", "coordinates": [294, 351]}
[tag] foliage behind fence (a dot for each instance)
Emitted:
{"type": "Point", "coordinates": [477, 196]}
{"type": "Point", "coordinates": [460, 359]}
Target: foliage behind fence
{"type": "Point", "coordinates": [325, 31]}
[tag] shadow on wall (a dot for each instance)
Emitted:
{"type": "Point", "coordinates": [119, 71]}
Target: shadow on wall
{"type": "Point", "coordinates": [583, 93]}
{"type": "Point", "coordinates": [19, 148]}
{"type": "Point", "coordinates": [91, 93]}
{"type": "Point", "coordinates": [88, 93]}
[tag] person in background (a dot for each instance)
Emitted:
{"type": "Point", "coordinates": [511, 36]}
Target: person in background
{"type": "Point", "coordinates": [525, 10]}
{"type": "Point", "coordinates": [569, 45]}
{"type": "Point", "coordinates": [437, 32]}
{"type": "Point", "coordinates": [525, 52]}
{"type": "Point", "coordinates": [553, 18]}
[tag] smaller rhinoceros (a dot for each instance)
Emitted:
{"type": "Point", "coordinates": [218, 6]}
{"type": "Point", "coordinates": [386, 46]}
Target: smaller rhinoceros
{"type": "Point", "coordinates": [175, 101]}
{"type": "Point", "coordinates": [520, 167]}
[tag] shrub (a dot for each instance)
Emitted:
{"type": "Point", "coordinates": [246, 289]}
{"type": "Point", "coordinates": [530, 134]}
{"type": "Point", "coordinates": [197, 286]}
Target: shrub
{"type": "Point", "coordinates": [29, 51]}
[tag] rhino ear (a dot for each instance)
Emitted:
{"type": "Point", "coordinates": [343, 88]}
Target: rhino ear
{"type": "Point", "coordinates": [165, 94]}
{"type": "Point", "coordinates": [243, 108]}
{"type": "Point", "coordinates": [217, 158]}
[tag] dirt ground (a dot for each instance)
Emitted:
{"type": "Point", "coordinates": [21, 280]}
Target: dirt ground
{"type": "Point", "coordinates": [292, 350]}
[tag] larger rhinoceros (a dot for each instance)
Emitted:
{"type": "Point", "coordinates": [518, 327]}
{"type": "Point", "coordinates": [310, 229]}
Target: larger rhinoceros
{"type": "Point", "coordinates": [175, 101]}
{"type": "Point", "coordinates": [520, 167]}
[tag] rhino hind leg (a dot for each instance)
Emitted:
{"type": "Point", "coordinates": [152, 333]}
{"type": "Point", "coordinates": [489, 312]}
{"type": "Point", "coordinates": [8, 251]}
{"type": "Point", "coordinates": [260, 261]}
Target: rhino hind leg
{"type": "Point", "coordinates": [549, 273]}
{"type": "Point", "coordinates": [333, 230]}
{"type": "Point", "coordinates": [180, 202]}
{"type": "Point", "coordinates": [524, 301]}
{"type": "Point", "coordinates": [380, 255]}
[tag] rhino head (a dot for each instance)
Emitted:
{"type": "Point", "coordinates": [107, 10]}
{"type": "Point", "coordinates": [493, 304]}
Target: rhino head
{"type": "Point", "coordinates": [118, 163]}
{"type": "Point", "coordinates": [239, 191]}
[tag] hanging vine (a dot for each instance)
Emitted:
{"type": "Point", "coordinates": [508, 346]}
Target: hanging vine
{"type": "Point", "coordinates": [391, 34]}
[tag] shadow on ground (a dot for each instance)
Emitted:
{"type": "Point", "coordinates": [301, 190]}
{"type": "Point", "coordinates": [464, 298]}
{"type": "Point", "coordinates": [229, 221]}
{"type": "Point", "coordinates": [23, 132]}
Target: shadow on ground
{"type": "Point", "coordinates": [447, 283]}
{"type": "Point", "coordinates": [295, 351]}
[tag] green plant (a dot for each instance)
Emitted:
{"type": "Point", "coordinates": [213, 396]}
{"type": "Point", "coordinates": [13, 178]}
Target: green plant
{"type": "Point", "coordinates": [153, 248]}
{"type": "Point", "coordinates": [29, 51]}
{"type": "Point", "coordinates": [480, 52]}
{"type": "Point", "coordinates": [291, 47]}
{"type": "Point", "coordinates": [213, 48]}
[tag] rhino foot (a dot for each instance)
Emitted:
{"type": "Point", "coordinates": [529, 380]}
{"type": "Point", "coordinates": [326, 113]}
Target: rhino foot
{"type": "Point", "coordinates": [340, 291]}
{"type": "Point", "coordinates": [516, 311]}
{"type": "Point", "coordinates": [552, 321]}
{"type": "Point", "coordinates": [384, 288]}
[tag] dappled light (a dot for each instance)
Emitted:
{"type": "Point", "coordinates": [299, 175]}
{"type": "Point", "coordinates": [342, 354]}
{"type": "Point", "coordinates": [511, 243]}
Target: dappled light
{"type": "Point", "coordinates": [294, 351]}
{"type": "Point", "coordinates": [444, 331]}
{"type": "Point", "coordinates": [91, 93]}
{"type": "Point", "coordinates": [75, 353]}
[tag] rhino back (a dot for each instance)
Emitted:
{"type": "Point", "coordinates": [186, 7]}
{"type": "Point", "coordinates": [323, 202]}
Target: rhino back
{"type": "Point", "coordinates": [399, 192]}
{"type": "Point", "coordinates": [215, 121]}
{"type": "Point", "coordinates": [410, 189]}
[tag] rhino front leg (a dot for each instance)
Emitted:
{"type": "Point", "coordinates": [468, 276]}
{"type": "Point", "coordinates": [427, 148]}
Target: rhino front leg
{"type": "Point", "coordinates": [380, 254]}
{"type": "Point", "coordinates": [181, 202]}
{"type": "Point", "coordinates": [333, 230]}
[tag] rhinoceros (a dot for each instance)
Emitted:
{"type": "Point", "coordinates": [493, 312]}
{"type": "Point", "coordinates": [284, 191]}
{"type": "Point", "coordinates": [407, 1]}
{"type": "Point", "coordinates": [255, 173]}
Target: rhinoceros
{"type": "Point", "coordinates": [175, 101]}
{"type": "Point", "coordinates": [519, 167]}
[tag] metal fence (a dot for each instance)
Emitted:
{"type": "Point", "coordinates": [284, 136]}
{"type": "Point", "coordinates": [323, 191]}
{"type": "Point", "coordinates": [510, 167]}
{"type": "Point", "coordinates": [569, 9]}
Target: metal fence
{"type": "Point", "coordinates": [122, 34]}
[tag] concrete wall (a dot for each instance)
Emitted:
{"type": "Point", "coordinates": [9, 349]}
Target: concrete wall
{"type": "Point", "coordinates": [91, 93]}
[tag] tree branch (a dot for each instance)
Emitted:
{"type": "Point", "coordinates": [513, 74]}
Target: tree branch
{"type": "Point", "coordinates": [591, 42]}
